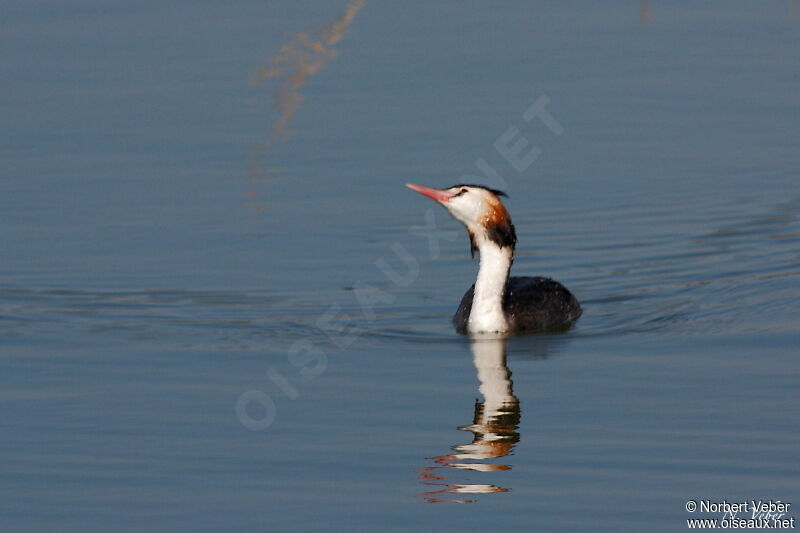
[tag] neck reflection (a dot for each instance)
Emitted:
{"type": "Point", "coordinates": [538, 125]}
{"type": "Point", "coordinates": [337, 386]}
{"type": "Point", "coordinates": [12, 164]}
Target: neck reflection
{"type": "Point", "coordinates": [494, 429]}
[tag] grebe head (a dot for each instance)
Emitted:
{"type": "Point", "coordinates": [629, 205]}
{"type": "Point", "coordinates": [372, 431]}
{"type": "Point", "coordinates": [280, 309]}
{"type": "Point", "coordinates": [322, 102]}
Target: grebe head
{"type": "Point", "coordinates": [479, 209]}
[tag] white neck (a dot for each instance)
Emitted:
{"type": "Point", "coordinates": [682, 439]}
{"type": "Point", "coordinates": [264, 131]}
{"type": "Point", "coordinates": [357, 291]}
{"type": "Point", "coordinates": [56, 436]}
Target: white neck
{"type": "Point", "coordinates": [487, 313]}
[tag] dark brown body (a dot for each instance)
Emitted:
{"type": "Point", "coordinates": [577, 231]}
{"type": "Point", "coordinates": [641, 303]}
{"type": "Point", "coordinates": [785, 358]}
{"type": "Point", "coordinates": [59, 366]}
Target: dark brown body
{"type": "Point", "coordinates": [530, 304]}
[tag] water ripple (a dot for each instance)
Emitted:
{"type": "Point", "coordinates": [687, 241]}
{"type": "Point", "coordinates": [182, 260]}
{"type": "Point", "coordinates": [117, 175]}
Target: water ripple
{"type": "Point", "coordinates": [734, 270]}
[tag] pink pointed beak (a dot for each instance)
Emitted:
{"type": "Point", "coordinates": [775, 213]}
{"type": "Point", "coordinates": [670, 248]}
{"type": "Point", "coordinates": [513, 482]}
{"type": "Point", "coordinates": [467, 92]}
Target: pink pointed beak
{"type": "Point", "coordinates": [434, 194]}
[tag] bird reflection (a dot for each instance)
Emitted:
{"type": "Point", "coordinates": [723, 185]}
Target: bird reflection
{"type": "Point", "coordinates": [494, 429]}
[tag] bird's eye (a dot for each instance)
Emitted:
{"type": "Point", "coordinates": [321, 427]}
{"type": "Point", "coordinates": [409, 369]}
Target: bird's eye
{"type": "Point", "coordinates": [462, 191]}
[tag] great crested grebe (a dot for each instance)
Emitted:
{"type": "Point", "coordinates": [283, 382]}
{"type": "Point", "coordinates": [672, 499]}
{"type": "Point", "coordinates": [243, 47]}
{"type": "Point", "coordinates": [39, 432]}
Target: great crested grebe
{"type": "Point", "coordinates": [497, 303]}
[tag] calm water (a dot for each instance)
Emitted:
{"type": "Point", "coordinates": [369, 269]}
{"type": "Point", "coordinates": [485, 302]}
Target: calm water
{"type": "Point", "coordinates": [220, 310]}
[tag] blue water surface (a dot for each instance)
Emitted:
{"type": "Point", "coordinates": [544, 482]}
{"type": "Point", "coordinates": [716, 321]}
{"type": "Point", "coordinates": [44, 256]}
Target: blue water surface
{"type": "Point", "coordinates": [220, 310]}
